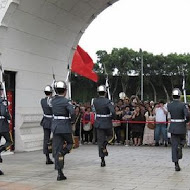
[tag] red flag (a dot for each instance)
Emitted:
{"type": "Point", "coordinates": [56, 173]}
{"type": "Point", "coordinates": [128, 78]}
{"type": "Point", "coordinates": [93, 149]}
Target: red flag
{"type": "Point", "coordinates": [82, 64]}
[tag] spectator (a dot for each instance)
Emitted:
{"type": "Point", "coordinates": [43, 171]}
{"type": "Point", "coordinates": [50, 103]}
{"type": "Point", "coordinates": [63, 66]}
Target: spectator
{"type": "Point", "coordinates": [137, 128]}
{"type": "Point", "coordinates": [152, 104]}
{"type": "Point", "coordinates": [120, 103]}
{"type": "Point", "coordinates": [146, 105]}
{"type": "Point", "coordinates": [117, 125]}
{"type": "Point", "coordinates": [127, 115]}
{"type": "Point", "coordinates": [88, 122]}
{"type": "Point", "coordinates": [161, 128]}
{"type": "Point", "coordinates": [148, 138]}
{"type": "Point", "coordinates": [126, 102]}
{"type": "Point", "coordinates": [134, 102]}
{"type": "Point", "coordinates": [77, 124]}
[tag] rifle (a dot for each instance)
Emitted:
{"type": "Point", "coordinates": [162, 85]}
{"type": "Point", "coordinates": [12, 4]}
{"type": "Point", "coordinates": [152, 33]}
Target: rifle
{"type": "Point", "coordinates": [68, 80]}
{"type": "Point", "coordinates": [5, 101]}
{"type": "Point", "coordinates": [53, 83]}
{"type": "Point", "coordinates": [2, 81]}
{"type": "Point", "coordinates": [107, 83]}
{"type": "Point", "coordinates": [183, 86]}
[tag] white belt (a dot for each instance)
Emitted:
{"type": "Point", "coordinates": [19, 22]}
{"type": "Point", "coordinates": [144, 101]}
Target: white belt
{"type": "Point", "coordinates": [177, 120]}
{"type": "Point", "coordinates": [49, 116]}
{"type": "Point", "coordinates": [98, 115]}
{"type": "Point", "coordinates": [2, 117]}
{"type": "Point", "coordinates": [60, 117]}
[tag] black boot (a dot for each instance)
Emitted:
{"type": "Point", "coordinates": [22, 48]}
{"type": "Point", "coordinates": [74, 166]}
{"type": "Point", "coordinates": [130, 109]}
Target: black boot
{"type": "Point", "coordinates": [1, 173]}
{"type": "Point", "coordinates": [60, 175]}
{"type": "Point", "coordinates": [104, 149]}
{"type": "Point", "coordinates": [61, 157]}
{"type": "Point", "coordinates": [103, 163]}
{"type": "Point", "coordinates": [2, 148]}
{"type": "Point", "coordinates": [48, 160]}
{"type": "Point", "coordinates": [49, 145]}
{"type": "Point", "coordinates": [179, 152]}
{"type": "Point", "coordinates": [177, 168]}
{"type": "Point", "coordinates": [1, 160]}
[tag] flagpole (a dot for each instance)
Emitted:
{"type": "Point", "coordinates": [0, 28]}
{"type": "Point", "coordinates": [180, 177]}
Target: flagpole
{"type": "Point", "coordinates": [2, 80]}
{"type": "Point", "coordinates": [141, 54]}
{"type": "Point", "coordinates": [107, 83]}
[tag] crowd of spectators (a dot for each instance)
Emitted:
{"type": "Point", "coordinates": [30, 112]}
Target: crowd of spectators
{"type": "Point", "coordinates": [136, 123]}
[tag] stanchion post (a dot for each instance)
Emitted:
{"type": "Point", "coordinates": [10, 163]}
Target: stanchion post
{"type": "Point", "coordinates": [127, 140]}
{"type": "Point", "coordinates": [80, 134]}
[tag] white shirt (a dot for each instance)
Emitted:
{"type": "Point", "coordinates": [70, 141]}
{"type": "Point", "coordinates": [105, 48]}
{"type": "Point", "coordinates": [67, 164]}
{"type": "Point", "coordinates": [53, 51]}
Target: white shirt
{"type": "Point", "coordinates": [160, 115]}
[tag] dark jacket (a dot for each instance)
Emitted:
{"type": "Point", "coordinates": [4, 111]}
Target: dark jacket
{"type": "Point", "coordinates": [138, 127]}
{"type": "Point", "coordinates": [4, 125]}
{"type": "Point", "coordinates": [103, 106]}
{"type": "Point", "coordinates": [46, 122]}
{"type": "Point", "coordinates": [61, 106]}
{"type": "Point", "coordinates": [178, 110]}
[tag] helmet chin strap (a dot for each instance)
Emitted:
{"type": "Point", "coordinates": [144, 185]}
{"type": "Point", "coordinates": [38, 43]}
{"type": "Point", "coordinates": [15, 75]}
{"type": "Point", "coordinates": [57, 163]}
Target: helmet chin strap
{"type": "Point", "coordinates": [175, 98]}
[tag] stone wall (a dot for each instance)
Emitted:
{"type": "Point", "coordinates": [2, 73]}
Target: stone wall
{"type": "Point", "coordinates": [36, 36]}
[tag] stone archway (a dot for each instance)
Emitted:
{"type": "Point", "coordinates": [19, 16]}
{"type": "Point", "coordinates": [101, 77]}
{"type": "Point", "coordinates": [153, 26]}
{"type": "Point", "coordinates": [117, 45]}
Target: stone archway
{"type": "Point", "coordinates": [36, 35]}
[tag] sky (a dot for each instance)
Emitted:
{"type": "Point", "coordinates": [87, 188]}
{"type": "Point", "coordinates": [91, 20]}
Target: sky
{"type": "Point", "coordinates": [156, 26]}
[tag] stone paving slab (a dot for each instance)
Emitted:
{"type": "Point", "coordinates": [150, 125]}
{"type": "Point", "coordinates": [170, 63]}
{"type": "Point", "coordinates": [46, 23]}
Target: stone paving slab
{"type": "Point", "coordinates": [127, 168]}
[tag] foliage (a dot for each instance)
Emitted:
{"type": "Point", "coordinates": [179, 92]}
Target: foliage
{"type": "Point", "coordinates": [188, 98]}
{"type": "Point", "coordinates": [161, 73]}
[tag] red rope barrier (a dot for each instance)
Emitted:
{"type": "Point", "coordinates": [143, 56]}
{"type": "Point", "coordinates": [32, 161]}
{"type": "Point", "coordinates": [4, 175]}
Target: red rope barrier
{"type": "Point", "coordinates": [131, 121]}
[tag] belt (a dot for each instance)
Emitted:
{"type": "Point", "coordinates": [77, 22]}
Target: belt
{"type": "Point", "coordinates": [48, 116]}
{"type": "Point", "coordinates": [99, 115]}
{"type": "Point", "coordinates": [60, 117]}
{"type": "Point", "coordinates": [2, 117]}
{"type": "Point", "coordinates": [177, 120]}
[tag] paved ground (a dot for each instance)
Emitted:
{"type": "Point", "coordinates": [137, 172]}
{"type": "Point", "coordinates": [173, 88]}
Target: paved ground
{"type": "Point", "coordinates": [137, 168]}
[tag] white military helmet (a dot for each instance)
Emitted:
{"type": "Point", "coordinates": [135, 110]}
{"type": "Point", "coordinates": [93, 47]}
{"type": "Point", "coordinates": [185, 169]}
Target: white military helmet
{"type": "Point", "coordinates": [122, 95]}
{"type": "Point", "coordinates": [101, 88]}
{"type": "Point", "coordinates": [176, 92]}
{"type": "Point", "coordinates": [48, 88]}
{"type": "Point", "coordinates": [60, 85]}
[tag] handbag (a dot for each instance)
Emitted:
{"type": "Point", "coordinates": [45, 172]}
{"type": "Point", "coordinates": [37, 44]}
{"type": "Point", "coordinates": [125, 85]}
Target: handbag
{"type": "Point", "coordinates": [74, 124]}
{"type": "Point", "coordinates": [116, 123]}
{"type": "Point", "coordinates": [74, 127]}
{"type": "Point", "coordinates": [188, 125]}
{"type": "Point", "coordinates": [87, 126]}
{"type": "Point", "coordinates": [151, 125]}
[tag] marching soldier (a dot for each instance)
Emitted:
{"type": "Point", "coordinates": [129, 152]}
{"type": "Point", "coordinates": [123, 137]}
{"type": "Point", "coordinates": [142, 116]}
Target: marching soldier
{"type": "Point", "coordinates": [103, 123]}
{"type": "Point", "coordinates": [63, 116]}
{"type": "Point", "coordinates": [179, 117]}
{"type": "Point", "coordinates": [4, 125]}
{"type": "Point", "coordinates": [47, 122]}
